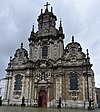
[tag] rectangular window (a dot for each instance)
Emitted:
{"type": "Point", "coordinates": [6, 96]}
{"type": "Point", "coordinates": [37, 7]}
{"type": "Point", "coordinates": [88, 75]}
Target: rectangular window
{"type": "Point", "coordinates": [18, 82]}
{"type": "Point", "coordinates": [73, 82]}
{"type": "Point", "coordinates": [44, 51]}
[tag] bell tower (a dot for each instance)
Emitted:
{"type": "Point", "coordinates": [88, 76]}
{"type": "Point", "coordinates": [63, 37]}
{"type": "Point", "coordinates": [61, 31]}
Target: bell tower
{"type": "Point", "coordinates": [47, 42]}
{"type": "Point", "coordinates": [46, 22]}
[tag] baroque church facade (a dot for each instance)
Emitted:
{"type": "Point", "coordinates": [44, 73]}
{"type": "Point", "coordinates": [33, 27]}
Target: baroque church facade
{"type": "Point", "coordinates": [50, 71]}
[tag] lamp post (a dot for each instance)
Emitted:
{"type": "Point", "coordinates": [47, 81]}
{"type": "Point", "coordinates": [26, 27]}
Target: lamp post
{"type": "Point", "coordinates": [87, 81]}
{"type": "Point", "coordinates": [87, 77]}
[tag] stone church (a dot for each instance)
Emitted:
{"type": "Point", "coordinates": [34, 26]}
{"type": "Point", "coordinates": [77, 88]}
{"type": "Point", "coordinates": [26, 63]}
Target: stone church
{"type": "Point", "coordinates": [50, 71]}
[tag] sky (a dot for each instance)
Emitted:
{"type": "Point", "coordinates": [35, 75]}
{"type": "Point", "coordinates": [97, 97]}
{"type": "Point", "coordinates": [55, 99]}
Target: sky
{"type": "Point", "coordinates": [80, 18]}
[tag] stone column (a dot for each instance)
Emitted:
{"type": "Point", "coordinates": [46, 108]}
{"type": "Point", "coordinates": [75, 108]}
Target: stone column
{"type": "Point", "coordinates": [39, 50]}
{"type": "Point", "coordinates": [60, 47]}
{"type": "Point", "coordinates": [83, 89]}
{"type": "Point", "coordinates": [6, 89]}
{"type": "Point", "coordinates": [9, 88]}
{"type": "Point", "coordinates": [30, 90]}
{"type": "Point", "coordinates": [50, 48]}
{"type": "Point", "coordinates": [35, 90]}
{"type": "Point", "coordinates": [58, 87]}
{"type": "Point", "coordinates": [48, 98]}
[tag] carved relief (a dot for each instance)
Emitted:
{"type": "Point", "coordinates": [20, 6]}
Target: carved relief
{"type": "Point", "coordinates": [43, 78]}
{"type": "Point", "coordinates": [16, 94]}
{"type": "Point", "coordinates": [35, 53]}
{"type": "Point", "coordinates": [55, 51]}
{"type": "Point", "coordinates": [58, 87]}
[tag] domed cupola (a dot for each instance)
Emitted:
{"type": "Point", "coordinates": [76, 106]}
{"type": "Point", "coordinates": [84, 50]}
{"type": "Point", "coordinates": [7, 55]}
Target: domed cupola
{"type": "Point", "coordinates": [21, 52]}
{"type": "Point", "coordinates": [73, 47]}
{"type": "Point", "coordinates": [73, 51]}
{"type": "Point", "coordinates": [20, 57]}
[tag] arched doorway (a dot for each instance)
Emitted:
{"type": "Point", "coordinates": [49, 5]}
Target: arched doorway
{"type": "Point", "coordinates": [42, 99]}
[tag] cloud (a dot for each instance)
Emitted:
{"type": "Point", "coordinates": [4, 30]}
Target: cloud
{"type": "Point", "coordinates": [80, 18]}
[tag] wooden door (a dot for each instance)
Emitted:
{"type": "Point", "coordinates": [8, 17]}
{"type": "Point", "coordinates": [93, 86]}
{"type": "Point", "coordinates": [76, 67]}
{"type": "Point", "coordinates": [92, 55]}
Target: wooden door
{"type": "Point", "coordinates": [42, 99]}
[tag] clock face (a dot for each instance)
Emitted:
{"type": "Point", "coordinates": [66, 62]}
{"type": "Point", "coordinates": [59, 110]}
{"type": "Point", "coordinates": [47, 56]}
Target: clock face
{"type": "Point", "coordinates": [45, 25]}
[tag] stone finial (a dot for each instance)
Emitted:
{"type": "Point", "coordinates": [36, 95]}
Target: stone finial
{"type": "Point", "coordinates": [22, 45]}
{"type": "Point", "coordinates": [41, 11]}
{"type": "Point", "coordinates": [60, 23]}
{"type": "Point", "coordinates": [72, 39]}
{"type": "Point", "coordinates": [88, 58]}
{"type": "Point", "coordinates": [10, 58]}
{"type": "Point", "coordinates": [10, 62]}
{"type": "Point", "coordinates": [87, 53]}
{"type": "Point", "coordinates": [51, 9]}
{"type": "Point", "coordinates": [33, 27]}
{"type": "Point", "coordinates": [60, 27]}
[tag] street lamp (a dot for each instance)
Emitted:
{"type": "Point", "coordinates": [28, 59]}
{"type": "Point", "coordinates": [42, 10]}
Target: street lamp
{"type": "Point", "coordinates": [87, 77]}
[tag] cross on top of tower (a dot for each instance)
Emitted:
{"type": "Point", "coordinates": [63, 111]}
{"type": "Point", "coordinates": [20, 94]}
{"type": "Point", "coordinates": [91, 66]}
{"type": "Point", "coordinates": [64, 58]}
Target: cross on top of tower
{"type": "Point", "coordinates": [47, 4]}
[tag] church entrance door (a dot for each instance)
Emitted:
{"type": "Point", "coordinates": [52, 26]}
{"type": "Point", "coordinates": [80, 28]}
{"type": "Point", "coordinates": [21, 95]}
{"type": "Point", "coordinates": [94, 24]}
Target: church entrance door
{"type": "Point", "coordinates": [42, 99]}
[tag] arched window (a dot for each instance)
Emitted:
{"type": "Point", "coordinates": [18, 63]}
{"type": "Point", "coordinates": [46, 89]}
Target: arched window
{"type": "Point", "coordinates": [73, 82]}
{"type": "Point", "coordinates": [18, 82]}
{"type": "Point", "coordinates": [44, 51]}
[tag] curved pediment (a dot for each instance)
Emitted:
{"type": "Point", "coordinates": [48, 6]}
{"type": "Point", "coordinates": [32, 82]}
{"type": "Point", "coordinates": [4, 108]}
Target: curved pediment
{"type": "Point", "coordinates": [43, 64]}
{"type": "Point", "coordinates": [73, 50]}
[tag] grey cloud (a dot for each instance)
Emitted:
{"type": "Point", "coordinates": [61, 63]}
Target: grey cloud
{"type": "Point", "coordinates": [79, 18]}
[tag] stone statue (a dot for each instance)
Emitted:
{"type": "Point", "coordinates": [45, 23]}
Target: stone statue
{"type": "Point", "coordinates": [23, 102]}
